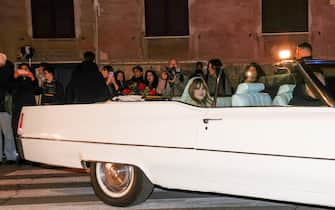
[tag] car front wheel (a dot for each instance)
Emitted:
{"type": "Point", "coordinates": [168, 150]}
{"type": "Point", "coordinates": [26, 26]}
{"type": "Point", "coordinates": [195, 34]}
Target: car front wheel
{"type": "Point", "coordinates": [119, 184]}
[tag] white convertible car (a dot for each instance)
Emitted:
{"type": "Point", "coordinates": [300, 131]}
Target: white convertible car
{"type": "Point", "coordinates": [252, 144]}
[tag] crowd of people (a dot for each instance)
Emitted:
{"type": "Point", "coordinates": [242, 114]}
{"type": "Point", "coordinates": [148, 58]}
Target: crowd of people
{"type": "Point", "coordinates": [24, 86]}
{"type": "Point", "coordinates": [168, 82]}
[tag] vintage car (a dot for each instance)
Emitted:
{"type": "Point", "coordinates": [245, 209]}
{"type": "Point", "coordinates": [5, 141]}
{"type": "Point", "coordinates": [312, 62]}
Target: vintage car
{"type": "Point", "coordinates": [252, 144]}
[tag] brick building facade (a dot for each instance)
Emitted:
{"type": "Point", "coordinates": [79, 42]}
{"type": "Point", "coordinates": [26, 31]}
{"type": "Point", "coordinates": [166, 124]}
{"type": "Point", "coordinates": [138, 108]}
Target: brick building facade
{"type": "Point", "coordinates": [227, 29]}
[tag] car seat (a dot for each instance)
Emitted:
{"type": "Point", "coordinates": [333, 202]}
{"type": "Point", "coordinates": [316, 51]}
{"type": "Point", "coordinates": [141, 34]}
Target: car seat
{"type": "Point", "coordinates": [223, 102]}
{"type": "Point", "coordinates": [249, 94]}
{"type": "Point", "coordinates": [284, 95]}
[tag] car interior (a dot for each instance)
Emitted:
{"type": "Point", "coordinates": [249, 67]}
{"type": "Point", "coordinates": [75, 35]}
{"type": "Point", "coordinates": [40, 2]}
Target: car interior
{"type": "Point", "coordinates": [273, 90]}
{"type": "Point", "coordinates": [329, 73]}
{"type": "Point", "coordinates": [250, 94]}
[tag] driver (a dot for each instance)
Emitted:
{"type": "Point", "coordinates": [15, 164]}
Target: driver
{"type": "Point", "coordinates": [303, 95]}
{"type": "Point", "coordinates": [304, 51]}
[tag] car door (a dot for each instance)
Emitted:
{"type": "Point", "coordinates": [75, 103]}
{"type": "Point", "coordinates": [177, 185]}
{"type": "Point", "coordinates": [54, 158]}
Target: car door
{"type": "Point", "coordinates": [282, 131]}
{"type": "Point", "coordinates": [269, 152]}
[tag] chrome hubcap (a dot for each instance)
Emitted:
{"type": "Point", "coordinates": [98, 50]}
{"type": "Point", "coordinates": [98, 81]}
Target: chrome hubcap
{"type": "Point", "coordinates": [115, 179]}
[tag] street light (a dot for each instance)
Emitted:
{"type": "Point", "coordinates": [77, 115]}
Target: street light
{"type": "Point", "coordinates": [284, 54]}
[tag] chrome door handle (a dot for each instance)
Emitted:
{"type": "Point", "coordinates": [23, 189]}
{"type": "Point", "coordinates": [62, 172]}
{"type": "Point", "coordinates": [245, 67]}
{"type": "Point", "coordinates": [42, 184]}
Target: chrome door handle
{"type": "Point", "coordinates": [206, 120]}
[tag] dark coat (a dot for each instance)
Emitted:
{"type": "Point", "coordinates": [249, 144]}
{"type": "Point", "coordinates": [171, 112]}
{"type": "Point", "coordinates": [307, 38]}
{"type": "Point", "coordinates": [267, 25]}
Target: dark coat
{"type": "Point", "coordinates": [87, 85]}
{"type": "Point", "coordinates": [6, 81]}
{"type": "Point", "coordinates": [225, 88]}
{"type": "Point", "coordinates": [300, 98]}
{"type": "Point", "coordinates": [122, 85]}
{"type": "Point", "coordinates": [24, 92]}
{"type": "Point", "coordinates": [135, 80]}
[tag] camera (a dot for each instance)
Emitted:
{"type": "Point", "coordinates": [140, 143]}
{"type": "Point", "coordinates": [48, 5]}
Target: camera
{"type": "Point", "coordinates": [171, 72]}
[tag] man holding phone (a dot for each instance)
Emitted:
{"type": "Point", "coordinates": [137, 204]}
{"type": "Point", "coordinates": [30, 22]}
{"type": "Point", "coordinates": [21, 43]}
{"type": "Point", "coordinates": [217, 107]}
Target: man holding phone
{"type": "Point", "coordinates": [108, 74]}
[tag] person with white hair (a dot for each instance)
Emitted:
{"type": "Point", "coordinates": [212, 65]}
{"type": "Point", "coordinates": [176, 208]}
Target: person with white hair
{"type": "Point", "coordinates": [6, 76]}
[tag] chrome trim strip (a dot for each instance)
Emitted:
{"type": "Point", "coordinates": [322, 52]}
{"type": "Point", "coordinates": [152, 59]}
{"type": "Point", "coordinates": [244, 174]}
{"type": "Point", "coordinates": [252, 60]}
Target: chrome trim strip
{"type": "Point", "coordinates": [181, 148]}
{"type": "Point", "coordinates": [104, 143]}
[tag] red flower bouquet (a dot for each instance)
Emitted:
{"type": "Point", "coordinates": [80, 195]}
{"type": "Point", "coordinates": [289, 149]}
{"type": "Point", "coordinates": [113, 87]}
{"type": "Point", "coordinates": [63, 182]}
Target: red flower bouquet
{"type": "Point", "coordinates": [126, 91]}
{"type": "Point", "coordinates": [152, 92]}
{"type": "Point", "coordinates": [141, 86]}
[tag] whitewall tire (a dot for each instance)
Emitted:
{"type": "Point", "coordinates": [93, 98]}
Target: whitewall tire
{"type": "Point", "coordinates": [119, 184]}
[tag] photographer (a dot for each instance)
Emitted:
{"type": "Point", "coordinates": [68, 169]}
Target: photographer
{"type": "Point", "coordinates": [198, 70]}
{"type": "Point", "coordinates": [176, 78]}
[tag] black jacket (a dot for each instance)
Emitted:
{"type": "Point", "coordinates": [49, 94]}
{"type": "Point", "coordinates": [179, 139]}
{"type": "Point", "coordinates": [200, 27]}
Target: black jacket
{"type": "Point", "coordinates": [135, 80]}
{"type": "Point", "coordinates": [300, 98]}
{"type": "Point", "coordinates": [224, 88]}
{"type": "Point", "coordinates": [6, 82]}
{"type": "Point", "coordinates": [87, 85]}
{"type": "Point", "coordinates": [24, 92]}
{"type": "Point", "coordinates": [122, 85]}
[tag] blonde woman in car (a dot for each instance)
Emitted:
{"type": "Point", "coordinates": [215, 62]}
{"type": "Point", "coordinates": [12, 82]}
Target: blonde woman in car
{"type": "Point", "coordinates": [196, 93]}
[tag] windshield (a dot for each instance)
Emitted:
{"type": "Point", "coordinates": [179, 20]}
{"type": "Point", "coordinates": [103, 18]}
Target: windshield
{"type": "Point", "coordinates": [287, 84]}
{"type": "Point", "coordinates": [328, 72]}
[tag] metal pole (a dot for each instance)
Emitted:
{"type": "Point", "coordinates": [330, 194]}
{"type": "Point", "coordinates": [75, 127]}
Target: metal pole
{"type": "Point", "coordinates": [29, 62]}
{"type": "Point", "coordinates": [218, 79]}
{"type": "Point", "coordinates": [96, 7]}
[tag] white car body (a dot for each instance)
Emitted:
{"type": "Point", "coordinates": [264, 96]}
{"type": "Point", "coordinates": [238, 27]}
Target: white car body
{"type": "Point", "coordinates": [283, 153]}
{"type": "Point", "coordinates": [279, 153]}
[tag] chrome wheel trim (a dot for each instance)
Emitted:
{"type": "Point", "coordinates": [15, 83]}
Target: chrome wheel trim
{"type": "Point", "coordinates": [115, 179]}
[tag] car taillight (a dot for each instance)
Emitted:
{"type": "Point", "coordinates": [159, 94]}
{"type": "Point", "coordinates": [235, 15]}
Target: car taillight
{"type": "Point", "coordinates": [19, 128]}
